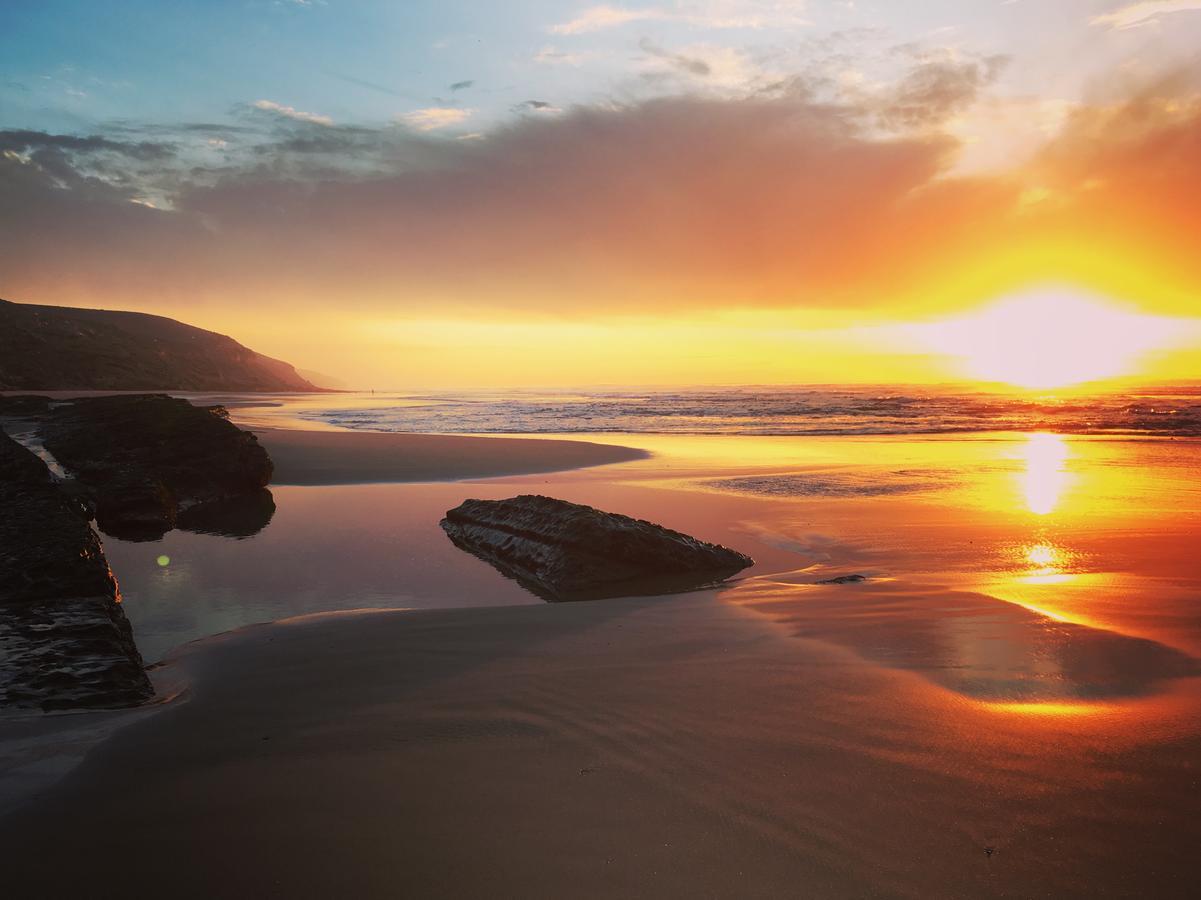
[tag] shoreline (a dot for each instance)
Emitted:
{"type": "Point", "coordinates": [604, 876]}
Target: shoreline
{"type": "Point", "coordinates": [309, 458]}
{"type": "Point", "coordinates": [733, 742]}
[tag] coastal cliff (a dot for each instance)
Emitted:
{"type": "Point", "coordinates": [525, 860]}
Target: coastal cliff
{"type": "Point", "coordinates": [48, 348]}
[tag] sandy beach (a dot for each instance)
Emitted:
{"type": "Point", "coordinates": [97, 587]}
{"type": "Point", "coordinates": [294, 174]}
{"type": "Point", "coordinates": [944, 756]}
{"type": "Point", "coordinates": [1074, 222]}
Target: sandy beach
{"type": "Point", "coordinates": [664, 747]}
{"type": "Point", "coordinates": [347, 457]}
{"type": "Point", "coordinates": [960, 725]}
{"type": "Point", "coordinates": [658, 449]}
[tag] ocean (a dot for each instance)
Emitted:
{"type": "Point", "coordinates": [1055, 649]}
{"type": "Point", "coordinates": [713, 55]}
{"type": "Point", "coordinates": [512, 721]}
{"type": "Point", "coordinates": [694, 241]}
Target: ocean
{"type": "Point", "coordinates": [807, 411]}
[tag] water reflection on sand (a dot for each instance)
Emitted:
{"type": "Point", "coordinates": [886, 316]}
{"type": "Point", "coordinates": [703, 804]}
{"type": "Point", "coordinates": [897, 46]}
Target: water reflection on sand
{"type": "Point", "coordinates": [1029, 572]}
{"type": "Point", "coordinates": [1016, 570]}
{"type": "Point", "coordinates": [1059, 570]}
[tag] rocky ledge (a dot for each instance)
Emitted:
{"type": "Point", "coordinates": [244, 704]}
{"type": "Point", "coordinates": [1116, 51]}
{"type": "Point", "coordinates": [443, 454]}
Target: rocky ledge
{"type": "Point", "coordinates": [64, 641]}
{"type": "Point", "coordinates": [565, 551]}
{"type": "Point", "coordinates": [149, 462]}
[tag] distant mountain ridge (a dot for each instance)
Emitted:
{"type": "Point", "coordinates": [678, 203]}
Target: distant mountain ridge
{"type": "Point", "coordinates": [47, 348]}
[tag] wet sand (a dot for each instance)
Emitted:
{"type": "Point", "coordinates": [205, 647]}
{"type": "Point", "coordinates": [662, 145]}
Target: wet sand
{"type": "Point", "coordinates": [1007, 707]}
{"type": "Point", "coordinates": [359, 457]}
{"type": "Point", "coordinates": [641, 748]}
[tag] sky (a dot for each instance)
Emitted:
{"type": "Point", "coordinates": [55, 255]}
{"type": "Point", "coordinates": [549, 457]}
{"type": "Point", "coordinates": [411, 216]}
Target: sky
{"type": "Point", "coordinates": [451, 194]}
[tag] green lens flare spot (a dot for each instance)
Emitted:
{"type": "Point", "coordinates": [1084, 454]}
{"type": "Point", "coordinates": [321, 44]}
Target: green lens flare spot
{"type": "Point", "coordinates": [164, 561]}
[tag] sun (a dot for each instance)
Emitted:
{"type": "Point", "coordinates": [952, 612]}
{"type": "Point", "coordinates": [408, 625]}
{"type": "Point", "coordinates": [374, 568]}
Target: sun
{"type": "Point", "coordinates": [1050, 338]}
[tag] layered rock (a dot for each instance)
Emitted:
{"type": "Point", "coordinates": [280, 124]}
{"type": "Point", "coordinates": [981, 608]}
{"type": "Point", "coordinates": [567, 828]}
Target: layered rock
{"type": "Point", "coordinates": [149, 461]}
{"type": "Point", "coordinates": [566, 551]}
{"type": "Point", "coordinates": [64, 640]}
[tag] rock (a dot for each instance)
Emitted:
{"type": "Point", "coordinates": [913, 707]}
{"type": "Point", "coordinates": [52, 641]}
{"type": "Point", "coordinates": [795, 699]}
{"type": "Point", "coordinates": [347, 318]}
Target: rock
{"type": "Point", "coordinates": [844, 579]}
{"type": "Point", "coordinates": [145, 457]}
{"type": "Point", "coordinates": [64, 640]}
{"type": "Point", "coordinates": [565, 551]}
{"type": "Point", "coordinates": [24, 405]}
{"type": "Point", "coordinates": [134, 509]}
{"type": "Point", "coordinates": [237, 517]}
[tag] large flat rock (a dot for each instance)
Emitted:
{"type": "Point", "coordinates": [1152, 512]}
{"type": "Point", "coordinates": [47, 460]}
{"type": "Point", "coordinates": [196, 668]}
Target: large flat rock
{"type": "Point", "coordinates": [566, 551]}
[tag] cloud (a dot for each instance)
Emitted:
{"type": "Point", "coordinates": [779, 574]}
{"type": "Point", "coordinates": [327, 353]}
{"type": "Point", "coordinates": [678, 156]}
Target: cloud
{"type": "Point", "coordinates": [462, 85]}
{"type": "Point", "coordinates": [435, 117]}
{"type": "Point", "coordinates": [369, 85]}
{"type": "Point", "coordinates": [678, 203]}
{"type": "Point", "coordinates": [692, 65]}
{"type": "Point", "coordinates": [1144, 13]}
{"type": "Point", "coordinates": [550, 56]}
{"type": "Point", "coordinates": [715, 69]}
{"type": "Point", "coordinates": [536, 106]}
{"type": "Point", "coordinates": [596, 18]}
{"type": "Point", "coordinates": [290, 112]}
{"type": "Point", "coordinates": [710, 14]}
{"type": "Point", "coordinates": [35, 140]}
{"type": "Point", "coordinates": [934, 90]}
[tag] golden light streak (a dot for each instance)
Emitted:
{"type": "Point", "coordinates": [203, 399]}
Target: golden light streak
{"type": "Point", "coordinates": [1045, 477]}
{"type": "Point", "coordinates": [1052, 709]}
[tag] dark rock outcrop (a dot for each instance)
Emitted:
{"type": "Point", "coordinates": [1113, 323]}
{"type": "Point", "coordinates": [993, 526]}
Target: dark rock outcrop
{"type": "Point", "coordinates": [844, 579]}
{"type": "Point", "coordinates": [64, 640]}
{"type": "Point", "coordinates": [24, 406]}
{"type": "Point", "coordinates": [48, 348]}
{"type": "Point", "coordinates": [149, 460]}
{"type": "Point", "coordinates": [565, 551]}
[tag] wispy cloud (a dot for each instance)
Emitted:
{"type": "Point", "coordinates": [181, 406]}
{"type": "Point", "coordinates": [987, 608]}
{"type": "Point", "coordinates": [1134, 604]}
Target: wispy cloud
{"type": "Point", "coordinates": [290, 112]}
{"type": "Point", "coordinates": [719, 68]}
{"type": "Point", "coordinates": [537, 106]}
{"type": "Point", "coordinates": [371, 85]}
{"type": "Point", "coordinates": [717, 14]}
{"type": "Point", "coordinates": [554, 57]}
{"type": "Point", "coordinates": [1144, 13]}
{"type": "Point", "coordinates": [434, 117]}
{"type": "Point", "coordinates": [596, 18]}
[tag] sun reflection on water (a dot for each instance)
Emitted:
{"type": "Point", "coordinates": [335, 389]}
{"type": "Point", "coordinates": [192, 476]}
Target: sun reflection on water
{"type": "Point", "coordinates": [1050, 708]}
{"type": "Point", "coordinates": [1043, 556]}
{"type": "Point", "coordinates": [1046, 476]}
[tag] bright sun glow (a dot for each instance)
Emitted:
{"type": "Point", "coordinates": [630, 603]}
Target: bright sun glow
{"type": "Point", "coordinates": [1044, 556]}
{"type": "Point", "coordinates": [1050, 339]}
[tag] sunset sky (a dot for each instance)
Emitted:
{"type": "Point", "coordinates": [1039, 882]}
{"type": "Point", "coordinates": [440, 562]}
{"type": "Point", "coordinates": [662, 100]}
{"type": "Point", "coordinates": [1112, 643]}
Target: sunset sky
{"type": "Point", "coordinates": [413, 194]}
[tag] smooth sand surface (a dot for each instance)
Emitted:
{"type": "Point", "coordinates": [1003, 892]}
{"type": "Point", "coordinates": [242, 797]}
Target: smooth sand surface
{"type": "Point", "coordinates": [779, 740]}
{"type": "Point", "coordinates": [360, 457]}
{"type": "Point", "coordinates": [672, 747]}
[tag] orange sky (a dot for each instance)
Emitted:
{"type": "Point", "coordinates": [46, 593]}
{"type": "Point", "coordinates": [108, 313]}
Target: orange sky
{"type": "Point", "coordinates": [773, 236]}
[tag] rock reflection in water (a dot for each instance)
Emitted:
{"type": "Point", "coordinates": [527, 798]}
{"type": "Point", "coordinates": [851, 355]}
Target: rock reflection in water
{"type": "Point", "coordinates": [237, 517]}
